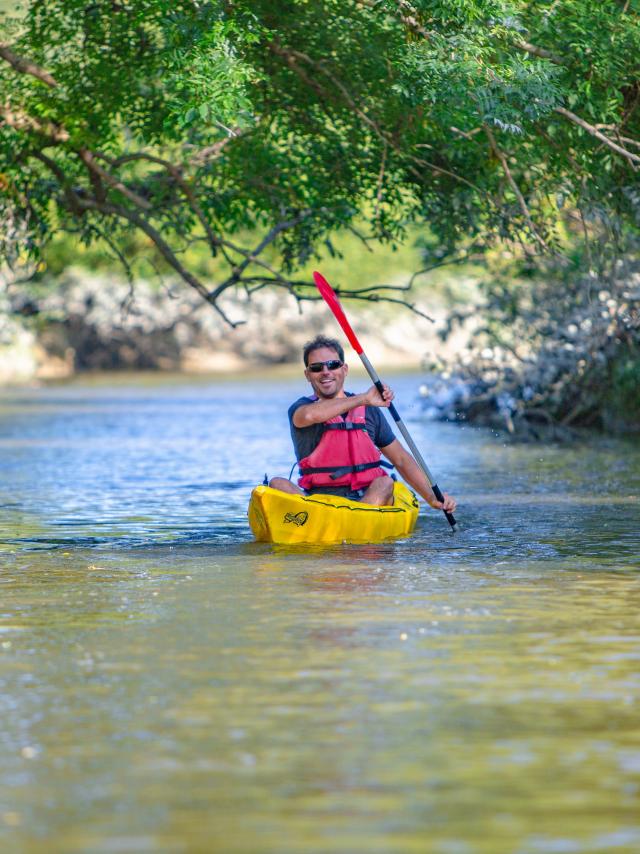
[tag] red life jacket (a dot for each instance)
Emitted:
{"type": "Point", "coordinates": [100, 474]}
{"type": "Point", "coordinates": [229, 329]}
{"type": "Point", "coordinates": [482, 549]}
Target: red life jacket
{"type": "Point", "coordinates": [344, 456]}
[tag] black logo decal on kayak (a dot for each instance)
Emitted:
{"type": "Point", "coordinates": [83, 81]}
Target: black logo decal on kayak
{"type": "Point", "coordinates": [297, 518]}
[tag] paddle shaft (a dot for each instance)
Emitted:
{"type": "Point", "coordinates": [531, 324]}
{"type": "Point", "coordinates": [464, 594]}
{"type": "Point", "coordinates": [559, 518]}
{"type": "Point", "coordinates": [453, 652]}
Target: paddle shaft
{"type": "Point", "coordinates": [407, 437]}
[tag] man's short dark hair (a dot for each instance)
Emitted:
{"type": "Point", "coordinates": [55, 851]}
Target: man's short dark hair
{"type": "Point", "coordinates": [322, 341]}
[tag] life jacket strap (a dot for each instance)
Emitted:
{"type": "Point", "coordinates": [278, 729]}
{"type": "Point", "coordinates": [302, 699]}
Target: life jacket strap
{"type": "Point", "coordinates": [345, 425]}
{"type": "Point", "coordinates": [341, 471]}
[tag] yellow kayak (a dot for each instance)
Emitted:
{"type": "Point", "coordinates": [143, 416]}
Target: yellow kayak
{"type": "Point", "coordinates": [280, 517]}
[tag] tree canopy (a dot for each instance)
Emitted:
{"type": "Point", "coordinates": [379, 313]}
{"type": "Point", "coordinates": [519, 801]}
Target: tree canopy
{"type": "Point", "coordinates": [257, 128]}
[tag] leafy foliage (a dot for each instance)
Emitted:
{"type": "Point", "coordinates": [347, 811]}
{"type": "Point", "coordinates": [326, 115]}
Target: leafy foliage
{"type": "Point", "coordinates": [200, 122]}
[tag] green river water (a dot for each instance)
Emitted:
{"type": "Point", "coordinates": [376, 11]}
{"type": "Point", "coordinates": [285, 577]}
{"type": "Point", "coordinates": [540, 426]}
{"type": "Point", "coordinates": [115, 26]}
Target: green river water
{"type": "Point", "coordinates": [168, 685]}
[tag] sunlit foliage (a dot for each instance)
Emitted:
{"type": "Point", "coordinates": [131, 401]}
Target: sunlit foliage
{"type": "Point", "coordinates": [189, 121]}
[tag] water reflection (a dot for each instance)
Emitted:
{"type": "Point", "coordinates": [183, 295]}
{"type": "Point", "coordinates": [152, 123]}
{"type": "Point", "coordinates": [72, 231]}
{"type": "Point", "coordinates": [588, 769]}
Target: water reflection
{"type": "Point", "coordinates": [375, 703]}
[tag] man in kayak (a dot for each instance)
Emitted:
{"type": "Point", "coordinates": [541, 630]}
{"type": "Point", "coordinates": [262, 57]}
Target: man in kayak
{"type": "Point", "coordinates": [338, 437]}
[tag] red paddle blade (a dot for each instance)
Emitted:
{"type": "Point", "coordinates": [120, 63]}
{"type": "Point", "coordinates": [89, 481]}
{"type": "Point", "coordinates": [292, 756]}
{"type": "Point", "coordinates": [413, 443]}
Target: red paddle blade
{"type": "Point", "coordinates": [332, 301]}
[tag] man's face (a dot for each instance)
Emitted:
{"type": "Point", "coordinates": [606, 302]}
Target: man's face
{"type": "Point", "coordinates": [326, 384]}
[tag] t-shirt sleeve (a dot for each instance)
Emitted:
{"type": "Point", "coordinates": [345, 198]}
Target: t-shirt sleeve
{"type": "Point", "coordinates": [301, 401]}
{"type": "Point", "coordinates": [382, 434]}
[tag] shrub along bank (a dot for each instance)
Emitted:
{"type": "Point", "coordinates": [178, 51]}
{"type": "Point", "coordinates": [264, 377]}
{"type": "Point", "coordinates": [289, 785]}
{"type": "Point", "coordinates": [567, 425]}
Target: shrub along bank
{"type": "Point", "coordinates": [570, 358]}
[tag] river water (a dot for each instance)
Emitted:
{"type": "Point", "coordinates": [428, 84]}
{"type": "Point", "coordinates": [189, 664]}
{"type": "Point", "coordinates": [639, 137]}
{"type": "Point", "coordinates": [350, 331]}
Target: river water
{"type": "Point", "coordinates": [168, 685]}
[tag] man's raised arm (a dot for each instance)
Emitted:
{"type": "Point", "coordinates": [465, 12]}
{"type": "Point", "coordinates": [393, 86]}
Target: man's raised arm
{"type": "Point", "coordinates": [322, 410]}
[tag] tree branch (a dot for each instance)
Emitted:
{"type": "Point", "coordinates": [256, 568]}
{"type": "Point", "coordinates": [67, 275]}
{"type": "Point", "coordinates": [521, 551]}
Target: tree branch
{"type": "Point", "coordinates": [210, 152]}
{"type": "Point", "coordinates": [90, 162]}
{"type": "Point", "coordinates": [342, 88]}
{"type": "Point", "coordinates": [385, 138]}
{"type": "Point", "coordinates": [628, 140]}
{"type": "Point", "coordinates": [541, 52]}
{"type": "Point", "coordinates": [362, 294]}
{"type": "Point", "coordinates": [372, 298]}
{"type": "Point", "coordinates": [26, 66]}
{"type": "Point", "coordinates": [103, 235]}
{"type": "Point", "coordinates": [252, 257]}
{"type": "Point", "coordinates": [292, 62]}
{"type": "Point", "coordinates": [591, 129]}
{"type": "Point", "coordinates": [257, 261]}
{"type": "Point", "coordinates": [176, 174]}
{"type": "Point", "coordinates": [466, 134]}
{"type": "Point", "coordinates": [419, 161]}
{"type": "Point", "coordinates": [364, 240]}
{"type": "Point", "coordinates": [80, 204]}
{"type": "Point", "coordinates": [516, 190]}
{"type": "Point", "coordinates": [21, 121]}
{"type": "Point", "coordinates": [461, 259]}
{"type": "Point", "coordinates": [162, 246]}
{"type": "Point", "coordinates": [73, 200]}
{"type": "Point", "coordinates": [409, 17]}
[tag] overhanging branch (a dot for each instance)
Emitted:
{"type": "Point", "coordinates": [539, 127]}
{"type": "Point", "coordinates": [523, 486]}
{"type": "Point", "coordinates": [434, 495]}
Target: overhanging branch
{"type": "Point", "coordinates": [540, 52]}
{"type": "Point", "coordinates": [21, 121]}
{"type": "Point", "coordinates": [252, 257]}
{"type": "Point", "coordinates": [161, 245]}
{"type": "Point", "coordinates": [94, 167]}
{"type": "Point", "coordinates": [176, 173]}
{"type": "Point", "coordinates": [593, 130]}
{"type": "Point", "coordinates": [26, 66]}
{"type": "Point", "coordinates": [516, 190]}
{"type": "Point", "coordinates": [294, 57]}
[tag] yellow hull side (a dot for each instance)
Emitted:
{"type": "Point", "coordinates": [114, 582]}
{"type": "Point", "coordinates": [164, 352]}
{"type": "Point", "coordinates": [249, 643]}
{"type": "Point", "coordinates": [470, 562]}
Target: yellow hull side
{"type": "Point", "coordinates": [279, 517]}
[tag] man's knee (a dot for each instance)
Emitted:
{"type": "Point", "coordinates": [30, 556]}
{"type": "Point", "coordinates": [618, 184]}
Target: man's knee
{"type": "Point", "coordinates": [383, 487]}
{"type": "Point", "coordinates": [280, 483]}
{"type": "Point", "coordinates": [284, 485]}
{"type": "Point", "coordinates": [387, 484]}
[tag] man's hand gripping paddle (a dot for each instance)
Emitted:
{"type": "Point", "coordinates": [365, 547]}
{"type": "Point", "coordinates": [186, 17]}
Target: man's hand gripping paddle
{"type": "Point", "coordinates": [331, 300]}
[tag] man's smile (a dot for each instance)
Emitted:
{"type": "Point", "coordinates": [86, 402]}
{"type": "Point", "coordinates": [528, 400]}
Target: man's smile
{"type": "Point", "coordinates": [327, 384]}
{"type": "Point", "coordinates": [329, 381]}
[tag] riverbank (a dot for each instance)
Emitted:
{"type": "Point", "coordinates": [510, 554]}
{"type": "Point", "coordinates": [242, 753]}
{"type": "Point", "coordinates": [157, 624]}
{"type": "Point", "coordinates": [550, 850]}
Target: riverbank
{"type": "Point", "coordinates": [566, 356]}
{"type": "Point", "coordinates": [570, 358]}
{"type": "Point", "coordinates": [90, 324]}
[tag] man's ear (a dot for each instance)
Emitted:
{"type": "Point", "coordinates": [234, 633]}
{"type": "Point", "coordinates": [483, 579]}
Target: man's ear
{"type": "Point", "coordinates": [346, 369]}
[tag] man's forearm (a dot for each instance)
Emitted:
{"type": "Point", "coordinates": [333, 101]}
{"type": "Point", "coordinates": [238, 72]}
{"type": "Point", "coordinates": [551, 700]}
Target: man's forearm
{"type": "Point", "coordinates": [323, 410]}
{"type": "Point", "coordinates": [411, 472]}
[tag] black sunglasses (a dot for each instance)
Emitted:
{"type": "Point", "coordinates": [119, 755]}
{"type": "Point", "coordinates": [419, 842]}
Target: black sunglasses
{"type": "Point", "coordinates": [332, 365]}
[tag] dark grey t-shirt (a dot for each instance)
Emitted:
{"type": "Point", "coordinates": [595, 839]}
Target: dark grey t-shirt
{"type": "Point", "coordinates": [305, 439]}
